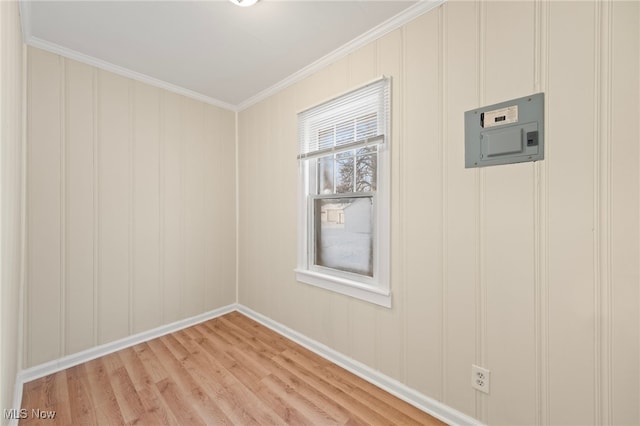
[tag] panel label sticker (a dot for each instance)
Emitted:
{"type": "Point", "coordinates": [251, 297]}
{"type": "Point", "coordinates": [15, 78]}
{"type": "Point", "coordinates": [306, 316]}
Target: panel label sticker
{"type": "Point", "coordinates": [499, 117]}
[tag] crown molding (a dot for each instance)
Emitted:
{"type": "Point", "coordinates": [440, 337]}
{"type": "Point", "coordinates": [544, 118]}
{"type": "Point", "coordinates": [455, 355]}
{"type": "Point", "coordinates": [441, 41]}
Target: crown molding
{"type": "Point", "coordinates": [402, 18]}
{"type": "Point", "coordinates": [25, 18]}
{"type": "Point", "coordinates": [125, 72]}
{"type": "Point", "coordinates": [373, 34]}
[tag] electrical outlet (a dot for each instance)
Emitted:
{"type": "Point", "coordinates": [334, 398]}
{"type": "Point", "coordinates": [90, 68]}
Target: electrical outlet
{"type": "Point", "coordinates": [480, 378]}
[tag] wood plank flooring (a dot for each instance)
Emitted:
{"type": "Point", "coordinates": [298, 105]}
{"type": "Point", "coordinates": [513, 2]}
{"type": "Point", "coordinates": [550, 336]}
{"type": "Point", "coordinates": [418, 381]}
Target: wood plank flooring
{"type": "Point", "coordinates": [229, 370]}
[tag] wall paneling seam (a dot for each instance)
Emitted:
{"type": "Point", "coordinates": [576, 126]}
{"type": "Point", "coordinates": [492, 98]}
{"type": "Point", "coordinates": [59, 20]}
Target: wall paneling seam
{"type": "Point", "coordinates": [376, 319]}
{"type": "Point", "coordinates": [27, 247]}
{"type": "Point", "coordinates": [23, 217]}
{"type": "Point", "coordinates": [481, 287]}
{"type": "Point", "coordinates": [182, 215]}
{"type": "Point", "coordinates": [132, 189]}
{"type": "Point", "coordinates": [442, 102]}
{"type": "Point", "coordinates": [541, 226]}
{"type": "Point", "coordinates": [237, 205]}
{"type": "Point", "coordinates": [162, 138]}
{"type": "Point", "coordinates": [544, 219]}
{"type": "Point", "coordinates": [602, 214]}
{"type": "Point", "coordinates": [96, 203]}
{"type": "Point", "coordinates": [98, 206]}
{"type": "Point", "coordinates": [64, 199]}
{"type": "Point", "coordinates": [608, 223]}
{"type": "Point", "coordinates": [536, 227]}
{"type": "Point", "coordinates": [596, 216]}
{"type": "Point", "coordinates": [402, 177]}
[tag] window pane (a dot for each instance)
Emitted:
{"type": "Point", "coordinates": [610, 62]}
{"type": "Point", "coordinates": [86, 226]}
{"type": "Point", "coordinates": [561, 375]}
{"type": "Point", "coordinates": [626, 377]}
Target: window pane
{"type": "Point", "coordinates": [366, 172]}
{"type": "Point", "coordinates": [344, 172]}
{"type": "Point", "coordinates": [367, 150]}
{"type": "Point", "coordinates": [344, 234]}
{"type": "Point", "coordinates": [325, 175]}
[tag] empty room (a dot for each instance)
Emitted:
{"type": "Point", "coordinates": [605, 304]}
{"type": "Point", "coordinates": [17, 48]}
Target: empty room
{"type": "Point", "coordinates": [320, 212]}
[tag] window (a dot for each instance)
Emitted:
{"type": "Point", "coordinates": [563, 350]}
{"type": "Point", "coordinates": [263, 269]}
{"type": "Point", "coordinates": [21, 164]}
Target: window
{"type": "Point", "coordinates": [343, 230]}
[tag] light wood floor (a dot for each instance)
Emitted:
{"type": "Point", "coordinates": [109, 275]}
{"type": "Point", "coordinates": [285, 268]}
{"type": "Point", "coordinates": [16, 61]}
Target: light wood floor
{"type": "Point", "coordinates": [227, 370]}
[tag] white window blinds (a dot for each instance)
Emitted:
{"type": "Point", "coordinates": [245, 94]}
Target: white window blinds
{"type": "Point", "coordinates": [354, 120]}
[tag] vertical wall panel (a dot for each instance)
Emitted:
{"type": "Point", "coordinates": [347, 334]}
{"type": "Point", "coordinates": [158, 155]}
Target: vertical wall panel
{"type": "Point", "coordinates": [246, 249]}
{"type": "Point", "coordinates": [287, 194]}
{"type": "Point", "coordinates": [221, 189]}
{"type": "Point", "coordinates": [146, 209]}
{"type": "Point", "coordinates": [509, 218]}
{"type": "Point", "coordinates": [423, 216]}
{"type": "Point", "coordinates": [220, 211]}
{"type": "Point", "coordinates": [251, 202]}
{"type": "Point", "coordinates": [11, 189]}
{"type": "Point", "coordinates": [44, 178]}
{"type": "Point", "coordinates": [112, 211]}
{"type": "Point", "coordinates": [390, 348]}
{"type": "Point", "coordinates": [289, 190]}
{"type": "Point", "coordinates": [625, 131]}
{"type": "Point", "coordinates": [212, 172]}
{"type": "Point", "coordinates": [461, 95]}
{"type": "Point", "coordinates": [570, 105]}
{"type": "Point", "coordinates": [498, 265]}
{"type": "Point", "coordinates": [79, 211]}
{"type": "Point", "coordinates": [173, 243]}
{"type": "Point", "coordinates": [194, 209]}
{"type": "Point", "coordinates": [243, 212]}
{"type": "Point", "coordinates": [115, 198]}
{"type": "Point", "coordinates": [262, 229]}
{"type": "Point", "coordinates": [455, 58]}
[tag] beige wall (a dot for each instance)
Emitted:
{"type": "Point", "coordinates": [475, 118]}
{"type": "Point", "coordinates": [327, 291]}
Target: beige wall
{"type": "Point", "coordinates": [530, 270]}
{"type": "Point", "coordinates": [131, 207]}
{"type": "Point", "coordinates": [11, 96]}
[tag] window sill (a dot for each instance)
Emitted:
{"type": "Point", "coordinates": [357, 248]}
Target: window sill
{"type": "Point", "coordinates": [345, 286]}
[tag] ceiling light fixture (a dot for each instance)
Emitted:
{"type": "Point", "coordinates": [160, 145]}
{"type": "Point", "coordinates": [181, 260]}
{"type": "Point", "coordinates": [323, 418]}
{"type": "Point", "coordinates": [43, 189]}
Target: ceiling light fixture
{"type": "Point", "coordinates": [244, 3]}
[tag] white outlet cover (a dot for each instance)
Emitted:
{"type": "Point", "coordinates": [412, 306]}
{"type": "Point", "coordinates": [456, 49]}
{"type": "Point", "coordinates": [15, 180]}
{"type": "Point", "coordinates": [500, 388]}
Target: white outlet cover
{"type": "Point", "coordinates": [480, 378]}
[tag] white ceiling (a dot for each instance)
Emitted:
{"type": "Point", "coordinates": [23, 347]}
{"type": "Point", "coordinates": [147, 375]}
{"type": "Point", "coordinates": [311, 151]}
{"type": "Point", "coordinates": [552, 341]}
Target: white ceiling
{"type": "Point", "coordinates": [213, 50]}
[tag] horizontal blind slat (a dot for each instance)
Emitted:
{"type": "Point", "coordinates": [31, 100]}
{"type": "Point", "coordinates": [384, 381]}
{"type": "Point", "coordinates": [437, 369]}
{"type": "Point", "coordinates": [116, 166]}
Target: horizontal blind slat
{"type": "Point", "coordinates": [357, 116]}
{"type": "Point", "coordinates": [376, 140]}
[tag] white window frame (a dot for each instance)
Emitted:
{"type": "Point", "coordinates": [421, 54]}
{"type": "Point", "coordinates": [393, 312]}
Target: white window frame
{"type": "Point", "coordinates": [374, 289]}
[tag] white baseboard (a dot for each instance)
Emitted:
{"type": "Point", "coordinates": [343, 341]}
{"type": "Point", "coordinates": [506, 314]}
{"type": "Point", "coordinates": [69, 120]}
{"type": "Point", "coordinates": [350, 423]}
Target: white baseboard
{"type": "Point", "coordinates": [17, 399]}
{"type": "Point", "coordinates": [436, 408]}
{"type": "Point", "coordinates": [68, 361]}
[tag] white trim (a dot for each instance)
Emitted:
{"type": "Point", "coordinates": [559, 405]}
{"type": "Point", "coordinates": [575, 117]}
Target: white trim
{"type": "Point", "coordinates": [373, 34]}
{"type": "Point", "coordinates": [237, 205]}
{"type": "Point", "coordinates": [344, 286]}
{"type": "Point", "coordinates": [68, 361]}
{"type": "Point", "coordinates": [17, 398]}
{"type": "Point", "coordinates": [25, 18]}
{"type": "Point", "coordinates": [125, 72]}
{"type": "Point", "coordinates": [435, 408]}
{"type": "Point", "coordinates": [375, 289]}
{"type": "Point", "coordinates": [393, 23]}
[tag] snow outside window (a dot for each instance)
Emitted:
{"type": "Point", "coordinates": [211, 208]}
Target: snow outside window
{"type": "Point", "coordinates": [344, 194]}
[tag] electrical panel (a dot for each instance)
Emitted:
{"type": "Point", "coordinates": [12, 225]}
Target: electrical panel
{"type": "Point", "coordinates": [505, 133]}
